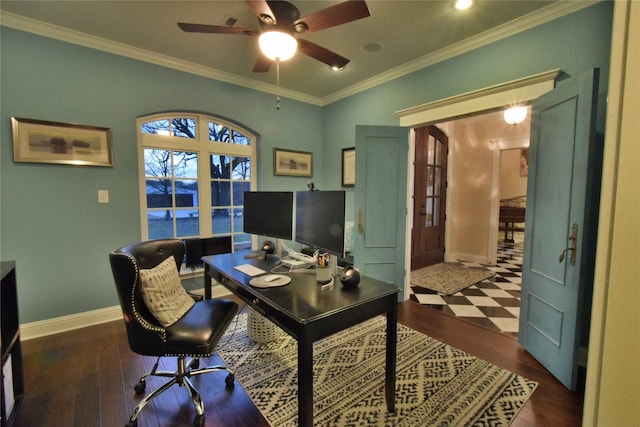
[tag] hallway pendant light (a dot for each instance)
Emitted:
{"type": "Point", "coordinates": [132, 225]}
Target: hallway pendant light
{"type": "Point", "coordinates": [277, 45]}
{"type": "Point", "coordinates": [515, 115]}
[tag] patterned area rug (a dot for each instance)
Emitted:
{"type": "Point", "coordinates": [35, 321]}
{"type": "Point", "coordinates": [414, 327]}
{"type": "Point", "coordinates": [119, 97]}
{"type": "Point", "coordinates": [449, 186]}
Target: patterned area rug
{"type": "Point", "coordinates": [436, 384]}
{"type": "Point", "coordinates": [448, 278]}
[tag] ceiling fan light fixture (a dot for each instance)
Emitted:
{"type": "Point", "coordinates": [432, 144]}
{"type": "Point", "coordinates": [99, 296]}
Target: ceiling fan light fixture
{"type": "Point", "coordinates": [277, 45]}
{"type": "Point", "coordinates": [462, 4]}
{"type": "Point", "coordinates": [337, 67]}
{"type": "Point", "coordinates": [515, 115]}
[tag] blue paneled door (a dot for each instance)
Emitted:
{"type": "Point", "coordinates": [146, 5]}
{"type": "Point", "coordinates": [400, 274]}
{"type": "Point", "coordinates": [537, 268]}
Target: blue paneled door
{"type": "Point", "coordinates": [560, 230]}
{"type": "Point", "coordinates": [380, 199]}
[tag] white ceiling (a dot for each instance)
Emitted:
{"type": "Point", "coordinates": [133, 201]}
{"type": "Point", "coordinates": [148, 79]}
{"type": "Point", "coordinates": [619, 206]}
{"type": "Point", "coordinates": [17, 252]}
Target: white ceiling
{"type": "Point", "coordinates": [412, 34]}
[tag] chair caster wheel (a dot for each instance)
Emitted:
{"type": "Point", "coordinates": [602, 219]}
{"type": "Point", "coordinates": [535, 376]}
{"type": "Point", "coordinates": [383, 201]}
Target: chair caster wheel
{"type": "Point", "coordinates": [198, 421]}
{"type": "Point", "coordinates": [132, 424]}
{"type": "Point", "coordinates": [140, 387]}
{"type": "Point", "coordinates": [229, 380]}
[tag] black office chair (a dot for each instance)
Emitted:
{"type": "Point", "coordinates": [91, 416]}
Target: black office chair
{"type": "Point", "coordinates": [195, 334]}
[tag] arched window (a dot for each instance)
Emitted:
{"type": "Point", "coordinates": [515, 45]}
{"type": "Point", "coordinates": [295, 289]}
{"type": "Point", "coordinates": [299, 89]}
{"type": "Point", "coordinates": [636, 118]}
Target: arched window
{"type": "Point", "coordinates": [194, 170]}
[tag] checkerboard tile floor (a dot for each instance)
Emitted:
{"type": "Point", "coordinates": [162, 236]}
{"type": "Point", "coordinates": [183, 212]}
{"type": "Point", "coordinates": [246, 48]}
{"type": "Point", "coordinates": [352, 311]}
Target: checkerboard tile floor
{"type": "Point", "coordinates": [493, 303]}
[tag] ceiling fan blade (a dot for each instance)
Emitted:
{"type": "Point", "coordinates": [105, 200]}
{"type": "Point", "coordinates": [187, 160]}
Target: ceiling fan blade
{"type": "Point", "coordinates": [261, 9]}
{"type": "Point", "coordinates": [263, 64]}
{"type": "Point", "coordinates": [321, 54]}
{"type": "Point", "coordinates": [334, 15]}
{"type": "Point", "coordinates": [215, 29]}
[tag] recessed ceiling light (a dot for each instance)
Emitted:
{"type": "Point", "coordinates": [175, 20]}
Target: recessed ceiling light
{"type": "Point", "coordinates": [463, 4]}
{"type": "Point", "coordinates": [372, 47]}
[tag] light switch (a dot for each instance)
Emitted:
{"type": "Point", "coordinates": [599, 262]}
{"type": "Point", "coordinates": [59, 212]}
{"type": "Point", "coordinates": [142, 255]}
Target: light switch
{"type": "Point", "coordinates": [103, 196]}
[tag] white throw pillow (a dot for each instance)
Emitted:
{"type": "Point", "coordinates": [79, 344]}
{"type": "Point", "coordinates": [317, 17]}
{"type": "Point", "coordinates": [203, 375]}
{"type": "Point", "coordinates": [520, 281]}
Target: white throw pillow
{"type": "Point", "coordinates": [163, 293]}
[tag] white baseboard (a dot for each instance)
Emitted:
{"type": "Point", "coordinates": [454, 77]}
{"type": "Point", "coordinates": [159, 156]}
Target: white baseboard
{"type": "Point", "coordinates": [56, 325]}
{"type": "Point", "coordinates": [465, 257]}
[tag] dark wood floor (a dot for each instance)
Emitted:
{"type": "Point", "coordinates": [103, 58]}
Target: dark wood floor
{"type": "Point", "coordinates": [86, 378]}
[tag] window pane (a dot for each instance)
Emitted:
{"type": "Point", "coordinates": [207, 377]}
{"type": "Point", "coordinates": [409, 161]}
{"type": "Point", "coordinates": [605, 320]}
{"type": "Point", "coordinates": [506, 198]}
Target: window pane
{"type": "Point", "coordinates": [241, 242]}
{"type": "Point", "coordinates": [429, 181]}
{"type": "Point", "coordinates": [218, 132]}
{"type": "Point", "coordinates": [238, 192]}
{"type": "Point", "coordinates": [160, 224]}
{"type": "Point", "coordinates": [187, 223]}
{"type": "Point", "coordinates": [436, 211]}
{"type": "Point", "coordinates": [186, 194]}
{"type": "Point", "coordinates": [438, 177]}
{"type": "Point", "coordinates": [429, 217]}
{"type": "Point", "coordinates": [220, 193]}
{"type": "Point", "coordinates": [221, 221]}
{"type": "Point", "coordinates": [157, 162]}
{"type": "Point", "coordinates": [185, 164]}
{"type": "Point", "coordinates": [220, 166]}
{"type": "Point", "coordinates": [240, 139]}
{"type": "Point", "coordinates": [238, 222]}
{"type": "Point", "coordinates": [241, 168]}
{"type": "Point", "coordinates": [159, 193]}
{"type": "Point", "coordinates": [183, 127]}
{"type": "Point", "coordinates": [438, 160]}
{"type": "Point", "coordinates": [430, 150]}
{"type": "Point", "coordinates": [156, 127]}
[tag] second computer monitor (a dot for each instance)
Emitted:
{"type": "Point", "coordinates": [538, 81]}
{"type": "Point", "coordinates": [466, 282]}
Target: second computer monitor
{"type": "Point", "coordinates": [268, 213]}
{"type": "Point", "coordinates": [320, 220]}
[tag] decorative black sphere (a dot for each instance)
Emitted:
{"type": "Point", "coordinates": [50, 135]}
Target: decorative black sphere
{"type": "Point", "coordinates": [350, 277]}
{"type": "Point", "coordinates": [268, 247]}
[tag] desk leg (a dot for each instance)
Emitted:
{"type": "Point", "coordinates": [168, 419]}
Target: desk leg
{"type": "Point", "coordinates": [207, 281]}
{"type": "Point", "coordinates": [390, 367]}
{"type": "Point", "coordinates": [305, 381]}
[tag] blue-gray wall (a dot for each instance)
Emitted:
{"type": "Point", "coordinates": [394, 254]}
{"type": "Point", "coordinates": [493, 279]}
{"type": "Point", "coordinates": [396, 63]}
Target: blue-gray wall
{"type": "Point", "coordinates": [51, 223]}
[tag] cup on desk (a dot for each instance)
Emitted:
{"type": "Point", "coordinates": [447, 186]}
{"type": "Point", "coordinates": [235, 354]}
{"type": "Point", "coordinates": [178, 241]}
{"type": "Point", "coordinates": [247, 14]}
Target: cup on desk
{"type": "Point", "coordinates": [323, 269]}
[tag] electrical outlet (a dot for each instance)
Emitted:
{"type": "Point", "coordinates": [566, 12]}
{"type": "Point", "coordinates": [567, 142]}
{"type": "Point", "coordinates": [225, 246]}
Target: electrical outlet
{"type": "Point", "coordinates": [103, 196]}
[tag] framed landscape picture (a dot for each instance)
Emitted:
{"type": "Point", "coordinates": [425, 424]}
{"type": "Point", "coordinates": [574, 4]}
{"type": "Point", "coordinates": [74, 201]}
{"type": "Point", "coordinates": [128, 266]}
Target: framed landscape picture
{"type": "Point", "coordinates": [292, 163]}
{"type": "Point", "coordinates": [40, 141]}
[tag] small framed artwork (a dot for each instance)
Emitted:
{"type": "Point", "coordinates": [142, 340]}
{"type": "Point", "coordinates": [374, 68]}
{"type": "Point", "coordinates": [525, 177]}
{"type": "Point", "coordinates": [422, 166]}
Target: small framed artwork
{"type": "Point", "coordinates": [292, 163]}
{"type": "Point", "coordinates": [39, 141]}
{"type": "Point", "coordinates": [349, 167]}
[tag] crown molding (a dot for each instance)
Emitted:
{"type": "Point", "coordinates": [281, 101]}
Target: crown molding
{"type": "Point", "coordinates": [86, 40]}
{"type": "Point", "coordinates": [516, 91]}
{"type": "Point", "coordinates": [546, 14]}
{"type": "Point", "coordinates": [541, 16]}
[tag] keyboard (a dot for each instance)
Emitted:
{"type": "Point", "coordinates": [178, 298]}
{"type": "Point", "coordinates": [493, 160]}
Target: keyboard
{"type": "Point", "coordinates": [249, 270]}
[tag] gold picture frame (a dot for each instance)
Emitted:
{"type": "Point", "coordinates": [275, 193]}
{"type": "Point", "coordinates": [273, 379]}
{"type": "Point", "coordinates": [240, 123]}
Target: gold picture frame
{"type": "Point", "coordinates": [292, 163]}
{"type": "Point", "coordinates": [41, 141]}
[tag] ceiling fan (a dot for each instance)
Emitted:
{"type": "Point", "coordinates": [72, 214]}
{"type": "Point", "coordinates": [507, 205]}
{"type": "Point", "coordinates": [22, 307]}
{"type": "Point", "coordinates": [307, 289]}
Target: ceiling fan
{"type": "Point", "coordinates": [281, 20]}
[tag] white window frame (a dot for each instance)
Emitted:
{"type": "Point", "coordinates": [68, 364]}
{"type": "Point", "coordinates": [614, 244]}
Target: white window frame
{"type": "Point", "coordinates": [204, 147]}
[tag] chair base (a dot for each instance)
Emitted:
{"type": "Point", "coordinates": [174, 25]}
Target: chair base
{"type": "Point", "coordinates": [180, 377]}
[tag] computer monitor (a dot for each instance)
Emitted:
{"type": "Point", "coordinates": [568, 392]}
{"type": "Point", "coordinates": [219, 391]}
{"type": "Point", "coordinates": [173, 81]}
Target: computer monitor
{"type": "Point", "coordinates": [268, 213]}
{"type": "Point", "coordinates": [320, 220]}
{"type": "Point", "coordinates": [195, 249]}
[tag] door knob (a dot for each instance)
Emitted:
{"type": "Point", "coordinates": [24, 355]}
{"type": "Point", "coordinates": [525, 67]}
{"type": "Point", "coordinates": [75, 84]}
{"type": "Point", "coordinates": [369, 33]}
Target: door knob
{"type": "Point", "coordinates": [573, 240]}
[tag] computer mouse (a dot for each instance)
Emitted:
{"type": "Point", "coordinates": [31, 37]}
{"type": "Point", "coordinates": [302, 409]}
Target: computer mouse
{"type": "Point", "coordinates": [270, 277]}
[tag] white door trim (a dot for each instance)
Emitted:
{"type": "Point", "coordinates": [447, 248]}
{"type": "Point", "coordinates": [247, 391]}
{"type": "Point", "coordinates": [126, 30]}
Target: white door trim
{"type": "Point", "coordinates": [513, 92]}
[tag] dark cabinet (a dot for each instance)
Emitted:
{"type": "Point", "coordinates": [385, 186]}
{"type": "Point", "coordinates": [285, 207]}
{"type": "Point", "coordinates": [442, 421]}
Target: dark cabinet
{"type": "Point", "coordinates": [12, 381]}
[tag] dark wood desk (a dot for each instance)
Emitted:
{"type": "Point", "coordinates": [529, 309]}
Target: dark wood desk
{"type": "Point", "coordinates": [308, 312]}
